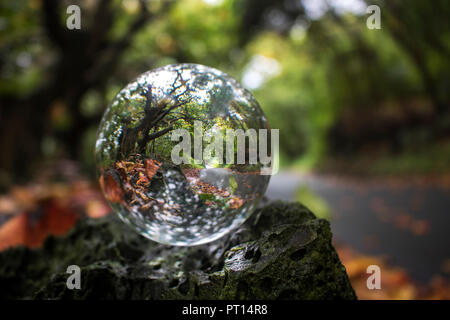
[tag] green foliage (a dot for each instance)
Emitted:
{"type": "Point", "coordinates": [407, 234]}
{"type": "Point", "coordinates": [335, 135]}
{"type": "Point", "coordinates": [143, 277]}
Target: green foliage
{"type": "Point", "coordinates": [313, 202]}
{"type": "Point", "coordinates": [232, 184]}
{"type": "Point", "coordinates": [431, 159]}
{"type": "Point", "coordinates": [327, 67]}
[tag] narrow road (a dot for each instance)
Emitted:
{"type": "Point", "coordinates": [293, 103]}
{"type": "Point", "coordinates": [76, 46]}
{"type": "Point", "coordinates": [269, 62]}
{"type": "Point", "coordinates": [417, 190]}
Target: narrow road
{"type": "Point", "coordinates": [408, 223]}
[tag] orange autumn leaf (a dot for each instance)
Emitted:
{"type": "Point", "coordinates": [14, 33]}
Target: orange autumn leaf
{"type": "Point", "coordinates": [111, 188]}
{"type": "Point", "coordinates": [143, 180]}
{"type": "Point", "coordinates": [235, 203]}
{"type": "Point", "coordinates": [151, 166]}
{"type": "Point", "coordinates": [23, 229]}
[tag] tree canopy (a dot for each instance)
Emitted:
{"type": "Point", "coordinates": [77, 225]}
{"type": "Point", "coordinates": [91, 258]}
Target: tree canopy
{"type": "Point", "coordinates": [327, 81]}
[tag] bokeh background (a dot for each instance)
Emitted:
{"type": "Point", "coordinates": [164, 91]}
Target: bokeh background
{"type": "Point", "coordinates": [363, 114]}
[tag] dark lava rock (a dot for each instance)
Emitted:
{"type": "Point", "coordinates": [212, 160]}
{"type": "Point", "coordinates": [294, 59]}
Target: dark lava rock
{"type": "Point", "coordinates": [282, 252]}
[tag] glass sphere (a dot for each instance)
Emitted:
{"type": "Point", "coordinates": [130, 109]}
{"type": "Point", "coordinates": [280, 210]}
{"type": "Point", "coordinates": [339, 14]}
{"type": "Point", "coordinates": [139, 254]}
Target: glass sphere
{"type": "Point", "coordinates": [167, 162]}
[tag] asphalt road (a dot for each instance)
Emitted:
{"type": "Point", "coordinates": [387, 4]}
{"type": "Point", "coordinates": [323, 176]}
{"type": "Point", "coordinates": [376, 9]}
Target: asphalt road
{"type": "Point", "coordinates": [407, 223]}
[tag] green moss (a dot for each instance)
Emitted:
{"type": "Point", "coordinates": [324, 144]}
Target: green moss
{"type": "Point", "coordinates": [281, 252]}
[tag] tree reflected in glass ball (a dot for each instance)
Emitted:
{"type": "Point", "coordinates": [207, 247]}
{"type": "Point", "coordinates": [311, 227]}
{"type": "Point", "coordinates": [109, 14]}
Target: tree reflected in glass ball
{"type": "Point", "coordinates": [165, 161]}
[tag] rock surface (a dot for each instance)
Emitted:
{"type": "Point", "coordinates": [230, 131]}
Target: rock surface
{"type": "Point", "coordinates": [281, 252]}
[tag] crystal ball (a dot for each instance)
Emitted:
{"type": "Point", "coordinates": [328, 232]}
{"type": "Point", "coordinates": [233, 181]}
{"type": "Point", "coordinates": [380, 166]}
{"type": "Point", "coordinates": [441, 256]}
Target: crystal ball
{"type": "Point", "coordinates": [177, 154]}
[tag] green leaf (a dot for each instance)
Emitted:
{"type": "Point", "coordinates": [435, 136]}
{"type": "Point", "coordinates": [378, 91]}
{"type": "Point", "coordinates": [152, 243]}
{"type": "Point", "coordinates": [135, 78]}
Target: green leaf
{"type": "Point", "coordinates": [233, 184]}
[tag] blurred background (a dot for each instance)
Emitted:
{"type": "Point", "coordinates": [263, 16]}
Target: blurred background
{"type": "Point", "coordinates": [363, 114]}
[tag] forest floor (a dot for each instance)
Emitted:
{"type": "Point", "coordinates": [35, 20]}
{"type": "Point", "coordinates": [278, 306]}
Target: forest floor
{"type": "Point", "coordinates": [400, 225]}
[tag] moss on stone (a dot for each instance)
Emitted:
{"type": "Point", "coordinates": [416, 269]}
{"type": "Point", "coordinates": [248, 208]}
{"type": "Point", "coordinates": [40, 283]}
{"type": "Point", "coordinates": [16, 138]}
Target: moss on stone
{"type": "Point", "coordinates": [281, 252]}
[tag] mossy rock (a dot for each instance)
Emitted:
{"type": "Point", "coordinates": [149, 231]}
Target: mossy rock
{"type": "Point", "coordinates": [282, 252]}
